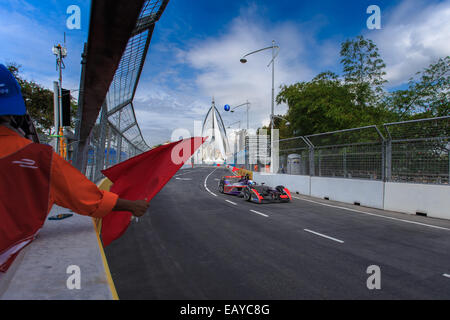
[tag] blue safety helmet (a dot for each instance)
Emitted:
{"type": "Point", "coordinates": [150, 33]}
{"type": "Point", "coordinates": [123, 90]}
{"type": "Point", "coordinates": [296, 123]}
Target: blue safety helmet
{"type": "Point", "coordinates": [11, 100]}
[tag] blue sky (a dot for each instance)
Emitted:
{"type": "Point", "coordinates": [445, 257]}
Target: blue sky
{"type": "Point", "coordinates": [196, 46]}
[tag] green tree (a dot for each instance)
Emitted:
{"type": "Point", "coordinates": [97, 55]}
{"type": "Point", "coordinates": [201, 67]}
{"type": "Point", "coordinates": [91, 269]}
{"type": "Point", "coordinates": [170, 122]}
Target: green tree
{"type": "Point", "coordinates": [321, 105]}
{"type": "Point", "coordinates": [285, 130]}
{"type": "Point", "coordinates": [327, 103]}
{"type": "Point", "coordinates": [38, 101]}
{"type": "Point", "coordinates": [428, 96]}
{"type": "Point", "coordinates": [363, 70]}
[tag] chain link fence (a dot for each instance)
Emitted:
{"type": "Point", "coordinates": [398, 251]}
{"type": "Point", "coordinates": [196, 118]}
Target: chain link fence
{"type": "Point", "coordinates": [294, 156]}
{"type": "Point", "coordinates": [107, 147]}
{"type": "Point", "coordinates": [418, 151]}
{"type": "Point", "coordinates": [352, 153]}
{"type": "Point", "coordinates": [116, 135]}
{"type": "Point", "coordinates": [412, 151]}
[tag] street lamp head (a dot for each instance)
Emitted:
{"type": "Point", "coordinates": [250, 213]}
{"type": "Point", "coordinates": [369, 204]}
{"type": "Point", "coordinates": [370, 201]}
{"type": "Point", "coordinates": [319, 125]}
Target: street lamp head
{"type": "Point", "coordinates": [243, 60]}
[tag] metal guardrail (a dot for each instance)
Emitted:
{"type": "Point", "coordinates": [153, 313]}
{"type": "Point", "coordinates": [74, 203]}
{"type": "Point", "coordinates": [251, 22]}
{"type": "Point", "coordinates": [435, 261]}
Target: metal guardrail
{"type": "Point", "coordinates": [412, 151]}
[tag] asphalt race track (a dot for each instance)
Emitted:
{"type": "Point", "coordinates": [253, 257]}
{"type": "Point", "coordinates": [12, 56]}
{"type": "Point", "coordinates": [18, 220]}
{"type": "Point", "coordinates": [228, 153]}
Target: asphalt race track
{"type": "Point", "coordinates": [196, 243]}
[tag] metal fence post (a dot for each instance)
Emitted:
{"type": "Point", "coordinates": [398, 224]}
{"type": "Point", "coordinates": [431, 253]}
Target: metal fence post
{"type": "Point", "coordinates": [100, 159]}
{"type": "Point", "coordinates": [80, 146]}
{"type": "Point", "coordinates": [312, 169]}
{"type": "Point", "coordinates": [319, 162]}
{"type": "Point", "coordinates": [108, 147]}
{"type": "Point", "coordinates": [94, 159]}
{"type": "Point", "coordinates": [84, 154]}
{"type": "Point", "coordinates": [119, 144]}
{"type": "Point", "coordinates": [344, 160]}
{"type": "Point", "coordinates": [389, 160]}
{"type": "Point", "coordinates": [383, 161]}
{"type": "Point", "coordinates": [409, 151]}
{"type": "Point", "coordinates": [119, 149]}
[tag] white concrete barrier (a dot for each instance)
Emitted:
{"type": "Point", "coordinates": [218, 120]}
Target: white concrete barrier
{"type": "Point", "coordinates": [367, 193]}
{"type": "Point", "coordinates": [294, 183]}
{"type": "Point", "coordinates": [434, 200]}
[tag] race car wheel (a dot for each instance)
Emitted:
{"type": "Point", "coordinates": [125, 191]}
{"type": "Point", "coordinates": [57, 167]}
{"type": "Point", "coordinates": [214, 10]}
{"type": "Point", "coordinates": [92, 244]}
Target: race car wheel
{"type": "Point", "coordinates": [247, 194]}
{"type": "Point", "coordinates": [221, 187]}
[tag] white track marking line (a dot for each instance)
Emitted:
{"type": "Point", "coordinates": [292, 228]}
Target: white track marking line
{"type": "Point", "coordinates": [231, 202]}
{"type": "Point", "coordinates": [182, 174]}
{"type": "Point", "coordinates": [215, 195]}
{"type": "Point", "coordinates": [262, 214]}
{"type": "Point", "coordinates": [446, 275]}
{"type": "Point", "coordinates": [376, 215]}
{"type": "Point", "coordinates": [325, 236]}
{"type": "Point", "coordinates": [184, 179]}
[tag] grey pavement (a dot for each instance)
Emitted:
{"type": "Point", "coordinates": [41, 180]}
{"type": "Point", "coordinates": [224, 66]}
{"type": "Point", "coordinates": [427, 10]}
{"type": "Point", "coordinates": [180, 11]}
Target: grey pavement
{"type": "Point", "coordinates": [194, 244]}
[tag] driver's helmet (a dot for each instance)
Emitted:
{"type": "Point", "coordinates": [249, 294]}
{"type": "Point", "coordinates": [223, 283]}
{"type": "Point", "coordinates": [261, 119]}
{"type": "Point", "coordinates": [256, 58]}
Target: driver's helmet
{"type": "Point", "coordinates": [251, 182]}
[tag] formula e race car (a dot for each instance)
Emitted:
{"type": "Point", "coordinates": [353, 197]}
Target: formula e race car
{"type": "Point", "coordinates": [251, 191]}
{"type": "Point", "coordinates": [233, 184]}
{"type": "Point", "coordinates": [261, 193]}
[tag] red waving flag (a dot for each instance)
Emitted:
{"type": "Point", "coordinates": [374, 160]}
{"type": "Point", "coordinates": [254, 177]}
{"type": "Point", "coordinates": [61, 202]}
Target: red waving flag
{"type": "Point", "coordinates": [142, 177]}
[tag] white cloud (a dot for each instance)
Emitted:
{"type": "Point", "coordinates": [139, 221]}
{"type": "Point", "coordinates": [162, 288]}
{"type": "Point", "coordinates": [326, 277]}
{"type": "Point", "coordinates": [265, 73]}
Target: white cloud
{"type": "Point", "coordinates": [222, 75]}
{"type": "Point", "coordinates": [218, 72]}
{"type": "Point", "coordinates": [180, 77]}
{"type": "Point", "coordinates": [160, 111]}
{"type": "Point", "coordinates": [29, 41]}
{"type": "Point", "coordinates": [414, 34]}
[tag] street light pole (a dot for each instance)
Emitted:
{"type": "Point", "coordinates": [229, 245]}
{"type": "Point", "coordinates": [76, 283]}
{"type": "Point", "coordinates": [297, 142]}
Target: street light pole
{"type": "Point", "coordinates": [273, 105]}
{"type": "Point", "coordinates": [232, 110]}
{"type": "Point", "coordinates": [60, 52]}
{"type": "Point", "coordinates": [274, 55]}
{"type": "Point", "coordinates": [234, 124]}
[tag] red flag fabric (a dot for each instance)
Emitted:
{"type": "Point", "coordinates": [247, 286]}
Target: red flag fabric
{"type": "Point", "coordinates": [142, 177]}
{"type": "Point", "coordinates": [234, 169]}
